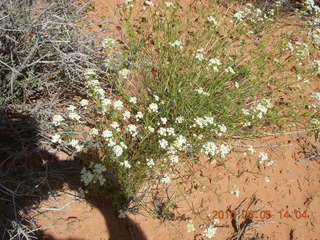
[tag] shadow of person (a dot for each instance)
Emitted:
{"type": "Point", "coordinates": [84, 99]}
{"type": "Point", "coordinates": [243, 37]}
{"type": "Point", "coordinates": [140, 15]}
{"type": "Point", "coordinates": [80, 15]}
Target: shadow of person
{"type": "Point", "coordinates": [29, 174]}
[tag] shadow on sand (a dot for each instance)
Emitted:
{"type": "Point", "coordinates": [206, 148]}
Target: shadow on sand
{"type": "Point", "coordinates": [29, 174]}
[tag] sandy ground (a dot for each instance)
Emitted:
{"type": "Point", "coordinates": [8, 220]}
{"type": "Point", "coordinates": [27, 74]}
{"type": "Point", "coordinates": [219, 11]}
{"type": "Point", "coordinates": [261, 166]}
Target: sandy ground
{"type": "Point", "coordinates": [281, 201]}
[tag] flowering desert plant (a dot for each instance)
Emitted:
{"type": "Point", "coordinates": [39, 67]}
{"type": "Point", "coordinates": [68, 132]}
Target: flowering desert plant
{"type": "Point", "coordinates": [187, 86]}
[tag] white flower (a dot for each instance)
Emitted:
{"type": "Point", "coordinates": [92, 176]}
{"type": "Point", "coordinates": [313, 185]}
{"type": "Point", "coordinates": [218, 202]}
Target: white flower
{"type": "Point", "coordinates": [173, 158]}
{"type": "Point", "coordinates": [115, 125]}
{"type": "Point", "coordinates": [180, 142]}
{"type": "Point", "coordinates": [117, 150]}
{"type": "Point", "coordinates": [94, 132]}
{"type": "Point", "coordinates": [199, 54]}
{"type": "Point", "coordinates": [124, 73]}
{"type": "Point", "coordinates": [75, 143]}
{"type": "Point", "coordinates": [133, 100]}
{"type": "Point", "coordinates": [209, 148]}
{"type": "Point", "coordinates": [212, 20]}
{"type": "Point", "coordinates": [108, 43]}
{"type": "Point", "coordinates": [245, 111]}
{"type": "Point", "coordinates": [270, 163]}
{"type": "Point", "coordinates": [125, 164]}
{"type": "Point", "coordinates": [316, 95]}
{"type": "Point", "coordinates": [266, 179]}
{"type": "Point", "coordinates": [222, 128]}
{"type": "Point", "coordinates": [84, 102]}
{"type": "Point", "coordinates": [163, 143]}
{"type": "Point", "coordinates": [224, 150]}
{"type": "Point", "coordinates": [99, 92]}
{"type": "Point", "coordinates": [166, 179]}
{"type": "Point", "coordinates": [151, 129]}
{"type": "Point", "coordinates": [251, 149]}
{"type": "Point", "coordinates": [179, 119]}
{"type": "Point", "coordinates": [202, 92]}
{"type": "Point", "coordinates": [214, 61]}
{"type": "Point", "coordinates": [133, 130]}
{"type": "Point", "coordinates": [150, 162]}
{"type": "Point", "coordinates": [89, 73]}
{"type": "Point", "coordinates": [56, 138]}
{"type": "Point", "coordinates": [123, 145]}
{"type": "Point", "coordinates": [93, 83]}
{"type": "Point", "coordinates": [246, 124]}
{"type": "Point", "coordinates": [239, 16]}
{"type": "Point", "coordinates": [107, 134]}
{"type": "Point", "coordinates": [104, 104]}
{"type": "Point", "coordinates": [57, 119]}
{"type": "Point", "coordinates": [153, 107]}
{"type": "Point", "coordinates": [236, 85]}
{"type": "Point", "coordinates": [176, 43]}
{"type": "Point", "coordinates": [71, 108]}
{"type": "Point", "coordinates": [229, 70]}
{"type": "Point", "coordinates": [210, 231]}
{"type": "Point", "coordinates": [148, 3]}
{"type": "Point", "coordinates": [139, 116]}
{"type": "Point", "coordinates": [263, 157]}
{"type": "Point", "coordinates": [236, 192]}
{"type": "Point", "coordinates": [164, 120]}
{"type": "Point", "coordinates": [118, 105]}
{"type": "Point", "coordinates": [156, 98]}
{"type": "Point", "coordinates": [190, 227]}
{"type": "Point", "coordinates": [111, 142]}
{"type": "Point", "coordinates": [126, 115]}
{"type": "Point", "coordinates": [74, 116]}
{"type": "Point", "coordinates": [169, 4]}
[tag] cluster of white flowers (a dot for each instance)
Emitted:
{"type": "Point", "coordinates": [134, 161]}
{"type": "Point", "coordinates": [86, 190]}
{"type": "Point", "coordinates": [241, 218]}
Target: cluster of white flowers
{"type": "Point", "coordinates": [148, 3]}
{"type": "Point", "coordinates": [125, 164]}
{"type": "Point", "coordinates": [176, 44]}
{"type": "Point", "coordinates": [163, 143]}
{"type": "Point", "coordinates": [57, 119]}
{"type": "Point", "coordinates": [129, 3]}
{"type": "Point", "coordinates": [203, 122]}
{"type": "Point", "coordinates": [212, 20]}
{"type": "Point", "coordinates": [263, 157]}
{"type": "Point", "coordinates": [199, 54]}
{"type": "Point", "coordinates": [259, 111]}
{"type": "Point", "coordinates": [108, 43]}
{"type": "Point", "coordinates": [150, 162]}
{"type": "Point", "coordinates": [56, 138]}
{"type": "Point", "coordinates": [211, 230]}
{"type": "Point", "coordinates": [166, 179]}
{"type": "Point", "coordinates": [84, 103]}
{"type": "Point", "coordinates": [253, 14]}
{"type": "Point", "coordinates": [210, 149]}
{"type": "Point", "coordinates": [94, 174]}
{"type": "Point", "coordinates": [314, 34]}
{"type": "Point", "coordinates": [169, 4]}
{"type": "Point", "coordinates": [76, 145]}
{"type": "Point", "coordinates": [214, 63]}
{"type": "Point", "coordinates": [230, 70]}
{"type": "Point", "coordinates": [153, 107]}
{"type": "Point", "coordinates": [202, 92]}
{"type": "Point", "coordinates": [311, 6]}
{"type": "Point", "coordinates": [133, 130]}
{"type": "Point", "coordinates": [190, 227]}
{"type": "Point", "coordinates": [166, 131]}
